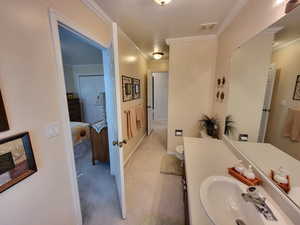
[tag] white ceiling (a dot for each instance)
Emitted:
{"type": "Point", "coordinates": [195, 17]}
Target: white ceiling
{"type": "Point", "coordinates": [149, 24]}
{"type": "Point", "coordinates": [76, 50]}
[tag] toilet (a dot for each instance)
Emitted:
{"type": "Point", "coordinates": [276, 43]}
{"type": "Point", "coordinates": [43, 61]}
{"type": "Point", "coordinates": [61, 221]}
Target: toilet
{"type": "Point", "coordinates": [180, 152]}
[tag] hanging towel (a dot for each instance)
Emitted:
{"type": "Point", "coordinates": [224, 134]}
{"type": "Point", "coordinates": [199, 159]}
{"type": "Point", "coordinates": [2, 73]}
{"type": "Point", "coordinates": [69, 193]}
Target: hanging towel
{"type": "Point", "coordinates": [292, 125]}
{"type": "Point", "coordinates": [130, 123]}
{"type": "Point", "coordinates": [139, 116]}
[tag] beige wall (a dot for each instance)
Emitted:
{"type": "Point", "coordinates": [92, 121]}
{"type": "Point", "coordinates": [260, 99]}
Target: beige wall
{"type": "Point", "coordinates": [256, 16]}
{"type": "Point", "coordinates": [132, 63]}
{"type": "Point", "coordinates": [191, 74]}
{"type": "Point", "coordinates": [30, 88]}
{"type": "Point", "coordinates": [161, 65]}
{"type": "Point", "coordinates": [287, 62]}
{"type": "Point", "coordinates": [248, 79]}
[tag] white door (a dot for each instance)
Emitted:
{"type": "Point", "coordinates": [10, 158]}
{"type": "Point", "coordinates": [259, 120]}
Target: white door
{"type": "Point", "coordinates": [267, 104]}
{"type": "Point", "coordinates": [160, 90]}
{"type": "Point", "coordinates": [150, 103]}
{"type": "Point", "coordinates": [113, 108]}
{"type": "Point", "coordinates": [90, 88]}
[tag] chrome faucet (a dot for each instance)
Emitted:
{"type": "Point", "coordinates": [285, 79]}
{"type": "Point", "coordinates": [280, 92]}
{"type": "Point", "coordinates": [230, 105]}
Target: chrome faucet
{"type": "Point", "coordinates": [259, 202]}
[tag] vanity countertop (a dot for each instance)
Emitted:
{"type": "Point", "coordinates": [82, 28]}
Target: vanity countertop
{"type": "Point", "coordinates": [204, 158]}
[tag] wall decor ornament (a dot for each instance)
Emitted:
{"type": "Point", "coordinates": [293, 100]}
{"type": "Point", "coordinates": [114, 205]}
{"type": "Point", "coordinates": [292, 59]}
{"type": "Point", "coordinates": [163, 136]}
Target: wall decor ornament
{"type": "Point", "coordinates": [296, 95]}
{"type": "Point", "coordinates": [16, 160]}
{"type": "Point", "coordinates": [222, 96]}
{"type": "Point", "coordinates": [3, 118]}
{"type": "Point", "coordinates": [136, 88]}
{"type": "Point", "coordinates": [219, 81]}
{"type": "Point", "coordinates": [127, 88]}
{"type": "Point", "coordinates": [223, 81]}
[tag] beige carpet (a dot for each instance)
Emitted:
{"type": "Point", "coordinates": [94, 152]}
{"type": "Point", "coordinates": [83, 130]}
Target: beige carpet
{"type": "Point", "coordinates": [171, 165]}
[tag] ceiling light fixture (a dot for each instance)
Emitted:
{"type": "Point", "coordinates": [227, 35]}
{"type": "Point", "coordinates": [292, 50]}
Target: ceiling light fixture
{"type": "Point", "coordinates": [157, 55]}
{"type": "Point", "coordinates": [162, 2]}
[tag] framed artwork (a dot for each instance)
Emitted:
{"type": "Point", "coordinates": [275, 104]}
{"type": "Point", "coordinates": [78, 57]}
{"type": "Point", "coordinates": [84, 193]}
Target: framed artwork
{"type": "Point", "coordinates": [3, 119]}
{"type": "Point", "coordinates": [136, 88]}
{"type": "Point", "coordinates": [296, 95]}
{"type": "Point", "coordinates": [16, 160]}
{"type": "Point", "coordinates": [127, 88]}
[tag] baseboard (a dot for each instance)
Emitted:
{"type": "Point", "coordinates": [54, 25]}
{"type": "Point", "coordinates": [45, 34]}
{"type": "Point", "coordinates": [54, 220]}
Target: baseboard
{"type": "Point", "coordinates": [135, 149]}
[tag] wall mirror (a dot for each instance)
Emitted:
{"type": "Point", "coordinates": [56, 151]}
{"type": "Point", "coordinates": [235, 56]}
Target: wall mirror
{"type": "Point", "coordinates": [264, 101]}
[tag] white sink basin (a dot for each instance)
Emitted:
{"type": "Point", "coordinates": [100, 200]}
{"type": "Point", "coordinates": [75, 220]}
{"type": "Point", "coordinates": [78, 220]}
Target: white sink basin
{"type": "Point", "coordinates": [222, 200]}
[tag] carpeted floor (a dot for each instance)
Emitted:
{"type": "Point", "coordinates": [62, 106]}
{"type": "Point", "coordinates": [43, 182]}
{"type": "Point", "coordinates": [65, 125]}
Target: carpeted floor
{"type": "Point", "coordinates": [152, 198]}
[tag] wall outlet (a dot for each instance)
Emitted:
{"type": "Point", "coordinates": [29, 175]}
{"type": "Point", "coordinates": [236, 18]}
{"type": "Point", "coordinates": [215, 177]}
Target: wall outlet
{"type": "Point", "coordinates": [243, 137]}
{"type": "Point", "coordinates": [178, 133]}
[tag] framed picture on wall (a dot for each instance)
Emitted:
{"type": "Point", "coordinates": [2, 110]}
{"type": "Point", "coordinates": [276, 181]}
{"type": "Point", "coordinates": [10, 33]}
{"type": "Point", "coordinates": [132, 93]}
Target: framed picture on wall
{"type": "Point", "coordinates": [3, 119]}
{"type": "Point", "coordinates": [296, 95]}
{"type": "Point", "coordinates": [127, 88]}
{"type": "Point", "coordinates": [136, 88]}
{"type": "Point", "coordinates": [16, 160]}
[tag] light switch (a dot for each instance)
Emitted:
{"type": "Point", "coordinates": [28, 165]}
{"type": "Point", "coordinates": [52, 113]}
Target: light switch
{"type": "Point", "coordinates": [52, 130]}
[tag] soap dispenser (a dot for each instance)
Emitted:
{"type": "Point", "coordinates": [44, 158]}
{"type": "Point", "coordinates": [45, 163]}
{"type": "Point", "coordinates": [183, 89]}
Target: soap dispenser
{"type": "Point", "coordinates": [239, 167]}
{"type": "Point", "coordinates": [248, 173]}
{"type": "Point", "coordinates": [280, 176]}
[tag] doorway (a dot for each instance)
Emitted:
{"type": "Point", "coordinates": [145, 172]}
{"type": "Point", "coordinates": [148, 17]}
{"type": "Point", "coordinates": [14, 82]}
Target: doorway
{"type": "Point", "coordinates": [113, 115]}
{"type": "Point", "coordinates": [267, 104]}
{"type": "Point", "coordinates": [157, 105]}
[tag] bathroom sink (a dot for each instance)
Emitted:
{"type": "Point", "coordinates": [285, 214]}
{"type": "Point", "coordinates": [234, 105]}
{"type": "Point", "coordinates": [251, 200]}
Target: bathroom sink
{"type": "Point", "coordinates": [224, 204]}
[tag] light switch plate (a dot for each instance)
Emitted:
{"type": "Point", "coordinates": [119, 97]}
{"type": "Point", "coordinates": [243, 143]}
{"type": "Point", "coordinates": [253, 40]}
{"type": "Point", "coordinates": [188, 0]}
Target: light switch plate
{"type": "Point", "coordinates": [52, 130]}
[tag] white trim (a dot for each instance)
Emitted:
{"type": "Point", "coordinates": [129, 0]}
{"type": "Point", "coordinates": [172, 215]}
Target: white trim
{"type": "Point", "coordinates": [121, 31]}
{"type": "Point", "coordinates": [231, 16]}
{"type": "Point", "coordinates": [273, 30]}
{"type": "Point", "coordinates": [285, 45]}
{"type": "Point", "coordinates": [55, 18]}
{"type": "Point", "coordinates": [134, 149]}
{"type": "Point", "coordinates": [119, 117]}
{"type": "Point", "coordinates": [192, 38]}
{"type": "Point", "coordinates": [94, 6]}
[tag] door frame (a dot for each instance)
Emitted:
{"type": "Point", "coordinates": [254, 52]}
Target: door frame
{"type": "Point", "coordinates": [56, 19]}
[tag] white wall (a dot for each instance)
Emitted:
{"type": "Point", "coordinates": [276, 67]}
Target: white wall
{"type": "Point", "coordinates": [249, 73]}
{"type": "Point", "coordinates": [191, 74]}
{"type": "Point", "coordinates": [256, 16]}
{"type": "Point", "coordinates": [161, 80]}
{"type": "Point", "coordinates": [33, 99]}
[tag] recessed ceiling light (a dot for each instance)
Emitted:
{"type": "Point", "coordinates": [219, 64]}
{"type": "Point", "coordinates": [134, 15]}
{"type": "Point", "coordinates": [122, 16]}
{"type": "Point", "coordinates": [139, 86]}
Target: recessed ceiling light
{"type": "Point", "coordinates": [162, 2]}
{"type": "Point", "coordinates": [157, 55]}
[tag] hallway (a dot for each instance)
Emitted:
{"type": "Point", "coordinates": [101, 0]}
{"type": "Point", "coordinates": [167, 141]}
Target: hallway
{"type": "Point", "coordinates": [152, 198]}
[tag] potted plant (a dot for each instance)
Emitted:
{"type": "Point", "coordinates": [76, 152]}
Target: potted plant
{"type": "Point", "coordinates": [210, 124]}
{"type": "Point", "coordinates": [229, 128]}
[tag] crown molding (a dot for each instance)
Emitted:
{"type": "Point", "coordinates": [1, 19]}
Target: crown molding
{"type": "Point", "coordinates": [273, 30]}
{"type": "Point", "coordinates": [284, 45]}
{"type": "Point", "coordinates": [231, 16]}
{"type": "Point", "coordinates": [192, 38]}
{"type": "Point", "coordinates": [92, 5]}
{"type": "Point", "coordinates": [132, 42]}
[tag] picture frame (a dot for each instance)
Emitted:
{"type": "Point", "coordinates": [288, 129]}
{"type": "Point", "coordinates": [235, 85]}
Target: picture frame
{"type": "Point", "coordinates": [16, 160]}
{"type": "Point", "coordinates": [3, 118]}
{"type": "Point", "coordinates": [127, 88]}
{"type": "Point", "coordinates": [296, 95]}
{"type": "Point", "coordinates": [136, 88]}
